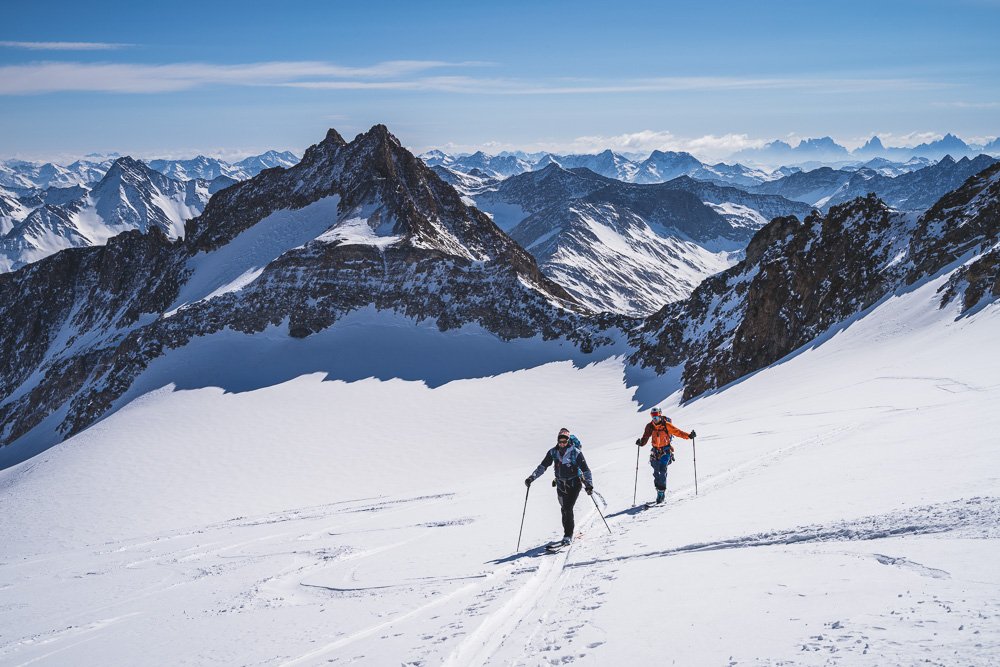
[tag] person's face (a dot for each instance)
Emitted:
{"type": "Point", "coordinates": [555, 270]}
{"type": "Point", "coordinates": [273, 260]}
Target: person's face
{"type": "Point", "coordinates": [562, 441]}
{"type": "Point", "coordinates": [657, 418]}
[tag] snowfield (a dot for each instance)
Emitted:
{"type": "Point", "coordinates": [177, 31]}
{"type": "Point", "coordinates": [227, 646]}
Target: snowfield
{"type": "Point", "coordinates": [848, 508]}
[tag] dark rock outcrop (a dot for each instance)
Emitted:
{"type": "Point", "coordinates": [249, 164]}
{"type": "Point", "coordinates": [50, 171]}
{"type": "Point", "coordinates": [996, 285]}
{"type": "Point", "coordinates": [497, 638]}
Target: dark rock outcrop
{"type": "Point", "coordinates": [801, 278]}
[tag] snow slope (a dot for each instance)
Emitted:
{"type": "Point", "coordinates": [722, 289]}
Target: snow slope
{"type": "Point", "coordinates": [847, 509]}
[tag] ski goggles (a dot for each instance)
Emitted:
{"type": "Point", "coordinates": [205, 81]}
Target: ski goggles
{"type": "Point", "coordinates": [562, 438]}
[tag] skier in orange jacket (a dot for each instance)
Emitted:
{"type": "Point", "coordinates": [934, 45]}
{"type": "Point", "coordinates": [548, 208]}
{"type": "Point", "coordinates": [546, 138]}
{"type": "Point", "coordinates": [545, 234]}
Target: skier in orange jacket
{"type": "Point", "coordinates": [661, 431]}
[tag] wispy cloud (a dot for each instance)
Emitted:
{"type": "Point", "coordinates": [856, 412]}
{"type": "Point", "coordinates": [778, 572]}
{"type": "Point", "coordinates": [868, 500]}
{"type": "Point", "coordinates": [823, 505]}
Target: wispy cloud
{"type": "Point", "coordinates": [46, 77]}
{"type": "Point", "coordinates": [401, 75]}
{"type": "Point", "coordinates": [65, 46]}
{"type": "Point", "coordinates": [500, 86]}
{"type": "Point", "coordinates": [968, 105]}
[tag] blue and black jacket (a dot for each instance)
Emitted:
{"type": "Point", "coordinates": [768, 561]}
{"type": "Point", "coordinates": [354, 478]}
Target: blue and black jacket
{"type": "Point", "coordinates": [569, 465]}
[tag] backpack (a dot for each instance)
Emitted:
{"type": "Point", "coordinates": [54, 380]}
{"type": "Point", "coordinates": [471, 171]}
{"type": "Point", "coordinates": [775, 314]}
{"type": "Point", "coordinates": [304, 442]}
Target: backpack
{"type": "Point", "coordinates": [575, 442]}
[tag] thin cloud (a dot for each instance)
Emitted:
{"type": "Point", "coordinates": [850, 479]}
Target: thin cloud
{"type": "Point", "coordinates": [400, 75]}
{"type": "Point", "coordinates": [499, 86]}
{"type": "Point", "coordinates": [47, 77]}
{"type": "Point", "coordinates": [65, 46]}
{"type": "Point", "coordinates": [968, 105]}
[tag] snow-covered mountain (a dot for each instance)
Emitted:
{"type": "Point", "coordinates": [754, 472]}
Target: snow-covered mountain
{"type": "Point", "coordinates": [131, 196]}
{"type": "Point", "coordinates": [813, 187]}
{"type": "Point", "coordinates": [468, 183]}
{"type": "Point", "coordinates": [911, 188]}
{"type": "Point", "coordinates": [885, 167]}
{"type": "Point", "coordinates": [607, 163]}
{"type": "Point", "coordinates": [611, 258]}
{"type": "Point", "coordinates": [255, 164]}
{"type": "Point", "coordinates": [205, 168]}
{"type": "Point", "coordinates": [353, 227]}
{"type": "Point", "coordinates": [658, 167]}
{"type": "Point", "coordinates": [490, 166]}
{"type": "Point", "coordinates": [741, 209]}
{"type": "Point", "coordinates": [12, 211]}
{"type": "Point", "coordinates": [514, 199]}
{"type": "Point", "coordinates": [663, 166]}
{"type": "Point", "coordinates": [623, 247]}
{"type": "Point", "coordinates": [210, 168]}
{"type": "Point", "coordinates": [20, 174]}
{"type": "Point", "coordinates": [842, 495]}
{"type": "Point", "coordinates": [914, 190]}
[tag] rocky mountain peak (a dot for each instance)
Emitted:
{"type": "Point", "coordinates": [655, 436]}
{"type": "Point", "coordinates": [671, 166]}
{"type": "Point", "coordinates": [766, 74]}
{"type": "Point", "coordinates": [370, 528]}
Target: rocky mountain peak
{"type": "Point", "coordinates": [873, 144]}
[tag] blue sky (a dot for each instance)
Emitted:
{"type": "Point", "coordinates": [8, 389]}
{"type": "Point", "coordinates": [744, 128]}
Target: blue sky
{"type": "Point", "coordinates": [231, 78]}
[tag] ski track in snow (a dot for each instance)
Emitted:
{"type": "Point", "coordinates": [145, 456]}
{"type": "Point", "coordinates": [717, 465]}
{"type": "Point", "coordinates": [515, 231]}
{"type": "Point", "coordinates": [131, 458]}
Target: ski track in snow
{"type": "Point", "coordinates": [499, 616]}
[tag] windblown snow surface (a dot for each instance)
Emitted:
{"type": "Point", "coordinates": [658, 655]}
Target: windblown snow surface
{"type": "Point", "coordinates": [254, 510]}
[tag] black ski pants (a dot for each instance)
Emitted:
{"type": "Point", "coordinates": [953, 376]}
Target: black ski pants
{"type": "Point", "coordinates": [568, 491]}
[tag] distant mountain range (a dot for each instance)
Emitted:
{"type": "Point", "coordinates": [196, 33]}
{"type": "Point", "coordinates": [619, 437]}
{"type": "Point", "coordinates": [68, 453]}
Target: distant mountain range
{"type": "Point", "coordinates": [626, 247]}
{"type": "Point", "coordinates": [47, 208]}
{"type": "Point", "coordinates": [811, 152]}
{"type": "Point", "coordinates": [130, 196]}
{"type": "Point", "coordinates": [20, 174]}
{"type": "Point", "coordinates": [912, 190]}
{"type": "Point", "coordinates": [363, 231]}
{"type": "Point", "coordinates": [662, 166]}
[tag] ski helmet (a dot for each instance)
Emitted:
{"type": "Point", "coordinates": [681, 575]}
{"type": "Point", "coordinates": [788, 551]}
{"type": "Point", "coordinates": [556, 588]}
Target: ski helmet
{"type": "Point", "coordinates": [563, 435]}
{"type": "Point", "coordinates": [655, 412]}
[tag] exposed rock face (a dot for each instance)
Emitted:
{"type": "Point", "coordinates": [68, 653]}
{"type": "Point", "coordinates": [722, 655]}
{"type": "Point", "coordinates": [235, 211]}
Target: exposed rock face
{"type": "Point", "coordinates": [362, 223]}
{"type": "Point", "coordinates": [967, 222]}
{"type": "Point", "coordinates": [801, 278]}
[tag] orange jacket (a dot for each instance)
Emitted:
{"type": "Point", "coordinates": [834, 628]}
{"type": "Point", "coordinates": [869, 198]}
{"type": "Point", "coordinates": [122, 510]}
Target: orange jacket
{"type": "Point", "coordinates": [661, 433]}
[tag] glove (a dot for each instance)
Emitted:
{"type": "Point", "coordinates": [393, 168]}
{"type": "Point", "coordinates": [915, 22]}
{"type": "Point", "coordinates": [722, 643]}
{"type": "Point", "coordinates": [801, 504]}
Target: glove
{"type": "Point", "coordinates": [638, 441]}
{"type": "Point", "coordinates": [528, 481]}
{"type": "Point", "coordinates": [589, 490]}
{"type": "Point", "coordinates": [692, 434]}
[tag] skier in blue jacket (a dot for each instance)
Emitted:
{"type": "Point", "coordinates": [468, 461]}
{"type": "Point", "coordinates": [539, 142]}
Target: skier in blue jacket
{"type": "Point", "coordinates": [572, 474]}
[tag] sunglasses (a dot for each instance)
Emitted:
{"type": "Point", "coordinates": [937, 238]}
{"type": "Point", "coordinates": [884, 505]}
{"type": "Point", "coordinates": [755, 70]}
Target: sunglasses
{"type": "Point", "coordinates": [562, 438]}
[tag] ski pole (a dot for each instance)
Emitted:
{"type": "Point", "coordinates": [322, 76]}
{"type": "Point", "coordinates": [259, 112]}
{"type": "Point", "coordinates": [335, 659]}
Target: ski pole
{"type": "Point", "coordinates": [694, 457]}
{"type": "Point", "coordinates": [635, 488]}
{"type": "Point", "coordinates": [598, 508]}
{"type": "Point", "coordinates": [526, 492]}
